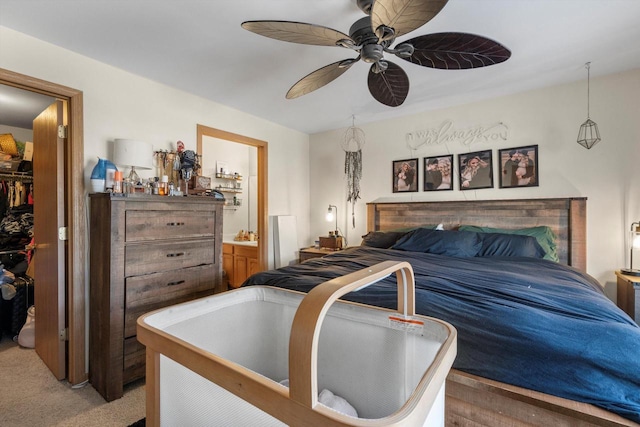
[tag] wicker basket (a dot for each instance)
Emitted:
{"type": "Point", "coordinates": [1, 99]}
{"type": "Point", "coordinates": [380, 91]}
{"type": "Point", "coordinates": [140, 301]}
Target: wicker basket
{"type": "Point", "coordinates": [8, 144]}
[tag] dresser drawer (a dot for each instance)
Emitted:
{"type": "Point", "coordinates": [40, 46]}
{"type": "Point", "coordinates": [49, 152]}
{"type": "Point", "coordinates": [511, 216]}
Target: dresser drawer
{"type": "Point", "coordinates": [153, 291]}
{"type": "Point", "coordinates": [153, 225]}
{"type": "Point", "coordinates": [158, 257]}
{"type": "Point", "coordinates": [134, 360]}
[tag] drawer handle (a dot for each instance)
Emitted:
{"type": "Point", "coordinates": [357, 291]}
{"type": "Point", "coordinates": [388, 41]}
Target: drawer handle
{"type": "Point", "coordinates": [175, 224]}
{"type": "Point", "coordinates": [179, 282]}
{"type": "Point", "coordinates": [177, 254]}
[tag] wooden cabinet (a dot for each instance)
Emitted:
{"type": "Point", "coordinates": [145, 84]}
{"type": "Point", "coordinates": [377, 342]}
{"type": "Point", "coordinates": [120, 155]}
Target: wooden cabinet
{"type": "Point", "coordinates": [628, 298]}
{"type": "Point", "coordinates": [147, 252]}
{"type": "Point", "coordinates": [239, 262]}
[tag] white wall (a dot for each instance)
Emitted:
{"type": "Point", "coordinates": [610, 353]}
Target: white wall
{"type": "Point", "coordinates": [118, 104]}
{"type": "Point", "coordinates": [19, 134]}
{"type": "Point", "coordinates": [549, 118]}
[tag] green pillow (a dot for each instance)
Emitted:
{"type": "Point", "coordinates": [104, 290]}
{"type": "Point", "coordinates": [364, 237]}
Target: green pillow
{"type": "Point", "coordinates": [407, 229]}
{"type": "Point", "coordinates": [543, 234]}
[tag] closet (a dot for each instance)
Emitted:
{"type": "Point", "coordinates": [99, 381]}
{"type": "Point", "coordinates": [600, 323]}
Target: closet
{"type": "Point", "coordinates": [16, 250]}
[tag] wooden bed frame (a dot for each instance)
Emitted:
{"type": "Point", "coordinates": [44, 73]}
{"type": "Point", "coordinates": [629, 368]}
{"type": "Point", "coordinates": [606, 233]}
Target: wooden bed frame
{"type": "Point", "coordinates": [476, 401]}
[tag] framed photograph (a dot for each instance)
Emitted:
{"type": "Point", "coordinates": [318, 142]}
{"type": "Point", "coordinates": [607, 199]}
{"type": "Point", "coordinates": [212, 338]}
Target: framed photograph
{"type": "Point", "coordinates": [438, 173]}
{"type": "Point", "coordinates": [519, 167]}
{"type": "Point", "coordinates": [405, 176]}
{"type": "Point", "coordinates": [476, 170]}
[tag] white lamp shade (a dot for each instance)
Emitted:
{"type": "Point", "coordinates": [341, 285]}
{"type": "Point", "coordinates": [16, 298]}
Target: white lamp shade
{"type": "Point", "coordinates": [131, 152]}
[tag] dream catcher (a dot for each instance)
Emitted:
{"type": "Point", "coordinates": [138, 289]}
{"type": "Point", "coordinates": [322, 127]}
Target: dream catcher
{"type": "Point", "coordinates": [352, 144]}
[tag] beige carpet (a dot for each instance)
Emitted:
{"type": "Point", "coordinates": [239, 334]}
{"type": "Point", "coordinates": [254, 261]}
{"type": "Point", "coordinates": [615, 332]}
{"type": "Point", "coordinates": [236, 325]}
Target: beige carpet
{"type": "Point", "coordinates": [31, 396]}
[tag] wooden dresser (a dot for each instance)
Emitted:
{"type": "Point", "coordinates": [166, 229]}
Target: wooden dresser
{"type": "Point", "coordinates": [147, 252]}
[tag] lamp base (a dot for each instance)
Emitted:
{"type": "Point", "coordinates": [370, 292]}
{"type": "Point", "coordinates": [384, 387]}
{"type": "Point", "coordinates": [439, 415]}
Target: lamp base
{"type": "Point", "coordinates": [630, 271]}
{"type": "Point", "coordinates": [133, 176]}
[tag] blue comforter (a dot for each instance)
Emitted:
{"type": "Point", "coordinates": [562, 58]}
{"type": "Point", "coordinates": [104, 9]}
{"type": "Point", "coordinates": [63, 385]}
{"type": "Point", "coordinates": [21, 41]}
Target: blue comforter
{"type": "Point", "coordinates": [523, 321]}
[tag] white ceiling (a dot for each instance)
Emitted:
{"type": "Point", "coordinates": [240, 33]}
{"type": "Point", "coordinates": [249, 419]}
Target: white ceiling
{"type": "Point", "coordinates": [198, 46]}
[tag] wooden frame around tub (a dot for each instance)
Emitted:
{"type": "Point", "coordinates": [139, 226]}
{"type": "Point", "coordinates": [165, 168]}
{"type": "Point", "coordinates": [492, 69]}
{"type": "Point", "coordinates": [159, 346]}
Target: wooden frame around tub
{"type": "Point", "coordinates": [476, 401]}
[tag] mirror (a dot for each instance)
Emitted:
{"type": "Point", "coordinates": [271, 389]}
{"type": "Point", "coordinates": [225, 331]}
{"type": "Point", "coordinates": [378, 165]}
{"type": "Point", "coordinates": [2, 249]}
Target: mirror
{"type": "Point", "coordinates": [237, 166]}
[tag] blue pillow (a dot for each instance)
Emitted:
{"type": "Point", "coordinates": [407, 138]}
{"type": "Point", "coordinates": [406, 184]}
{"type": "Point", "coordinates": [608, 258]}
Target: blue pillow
{"type": "Point", "coordinates": [498, 244]}
{"type": "Point", "coordinates": [543, 234]}
{"type": "Point", "coordinates": [381, 239]}
{"type": "Point", "coordinates": [461, 244]}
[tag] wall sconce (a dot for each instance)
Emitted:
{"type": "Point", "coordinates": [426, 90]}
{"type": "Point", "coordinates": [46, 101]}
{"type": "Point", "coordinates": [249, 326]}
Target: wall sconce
{"type": "Point", "coordinates": [132, 153]}
{"type": "Point", "coordinates": [331, 216]}
{"type": "Point", "coordinates": [635, 243]}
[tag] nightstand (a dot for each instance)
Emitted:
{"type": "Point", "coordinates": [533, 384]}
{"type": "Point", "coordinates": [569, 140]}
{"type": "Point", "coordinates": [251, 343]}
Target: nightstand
{"type": "Point", "coordinates": [313, 252]}
{"type": "Point", "coordinates": [629, 295]}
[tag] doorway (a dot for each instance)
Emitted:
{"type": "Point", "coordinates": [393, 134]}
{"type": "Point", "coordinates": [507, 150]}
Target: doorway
{"type": "Point", "coordinates": [72, 338]}
{"type": "Point", "coordinates": [261, 184]}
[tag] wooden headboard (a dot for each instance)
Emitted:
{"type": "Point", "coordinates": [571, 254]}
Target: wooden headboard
{"type": "Point", "coordinates": [567, 217]}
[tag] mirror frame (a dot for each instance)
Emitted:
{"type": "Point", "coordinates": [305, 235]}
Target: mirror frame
{"type": "Point", "coordinates": [263, 219]}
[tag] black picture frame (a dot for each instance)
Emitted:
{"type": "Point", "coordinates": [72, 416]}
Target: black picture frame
{"type": "Point", "coordinates": [441, 178]}
{"type": "Point", "coordinates": [475, 170]}
{"type": "Point", "coordinates": [404, 178]}
{"type": "Point", "coordinates": [519, 167]}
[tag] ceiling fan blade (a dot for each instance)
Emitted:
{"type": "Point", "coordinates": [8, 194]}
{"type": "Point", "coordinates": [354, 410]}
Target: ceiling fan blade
{"type": "Point", "coordinates": [403, 16]}
{"type": "Point", "coordinates": [296, 32]}
{"type": "Point", "coordinates": [456, 51]}
{"type": "Point", "coordinates": [320, 77]}
{"type": "Point", "coordinates": [389, 87]}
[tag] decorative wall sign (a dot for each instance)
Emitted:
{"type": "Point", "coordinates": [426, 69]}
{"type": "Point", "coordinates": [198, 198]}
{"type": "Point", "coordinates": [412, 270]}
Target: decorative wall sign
{"type": "Point", "coordinates": [519, 167]}
{"type": "Point", "coordinates": [446, 132]}
{"type": "Point", "coordinates": [405, 176]}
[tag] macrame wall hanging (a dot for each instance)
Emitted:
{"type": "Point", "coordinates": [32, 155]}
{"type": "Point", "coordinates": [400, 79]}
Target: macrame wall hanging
{"type": "Point", "coordinates": [352, 144]}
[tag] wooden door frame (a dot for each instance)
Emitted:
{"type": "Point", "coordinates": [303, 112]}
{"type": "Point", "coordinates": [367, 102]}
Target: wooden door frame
{"type": "Point", "coordinates": [74, 200]}
{"type": "Point", "coordinates": [263, 219]}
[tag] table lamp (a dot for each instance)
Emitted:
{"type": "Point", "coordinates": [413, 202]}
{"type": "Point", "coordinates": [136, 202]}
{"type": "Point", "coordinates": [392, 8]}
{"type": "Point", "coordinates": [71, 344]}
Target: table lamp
{"type": "Point", "coordinates": [331, 216]}
{"type": "Point", "coordinates": [133, 153]}
{"type": "Point", "coordinates": [635, 243]}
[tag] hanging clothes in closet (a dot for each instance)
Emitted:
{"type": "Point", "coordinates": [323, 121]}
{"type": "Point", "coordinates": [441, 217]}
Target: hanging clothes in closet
{"type": "Point", "coordinates": [16, 239]}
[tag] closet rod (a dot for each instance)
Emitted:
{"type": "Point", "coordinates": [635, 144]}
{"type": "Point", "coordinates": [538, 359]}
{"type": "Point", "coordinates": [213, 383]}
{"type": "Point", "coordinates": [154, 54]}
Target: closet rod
{"type": "Point", "coordinates": [16, 176]}
{"type": "Point", "coordinates": [15, 251]}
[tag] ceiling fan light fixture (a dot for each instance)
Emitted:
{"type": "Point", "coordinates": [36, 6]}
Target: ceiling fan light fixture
{"type": "Point", "coordinates": [372, 35]}
{"type": "Point", "coordinates": [372, 53]}
{"type": "Point", "coordinates": [588, 135]}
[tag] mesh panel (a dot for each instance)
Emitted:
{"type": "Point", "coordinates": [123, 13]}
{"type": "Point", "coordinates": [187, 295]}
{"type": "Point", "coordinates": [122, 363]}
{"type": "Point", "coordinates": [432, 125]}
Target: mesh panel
{"type": "Point", "coordinates": [187, 399]}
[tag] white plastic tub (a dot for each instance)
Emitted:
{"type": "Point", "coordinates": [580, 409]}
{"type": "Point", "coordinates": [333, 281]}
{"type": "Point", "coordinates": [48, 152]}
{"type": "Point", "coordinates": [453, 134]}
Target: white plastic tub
{"type": "Point", "coordinates": [219, 360]}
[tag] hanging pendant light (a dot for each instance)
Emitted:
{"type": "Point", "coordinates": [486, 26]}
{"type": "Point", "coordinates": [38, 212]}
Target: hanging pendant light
{"type": "Point", "coordinates": [588, 136]}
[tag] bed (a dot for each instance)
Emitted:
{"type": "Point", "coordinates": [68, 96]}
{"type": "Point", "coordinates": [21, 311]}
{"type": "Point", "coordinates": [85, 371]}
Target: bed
{"type": "Point", "coordinates": [538, 341]}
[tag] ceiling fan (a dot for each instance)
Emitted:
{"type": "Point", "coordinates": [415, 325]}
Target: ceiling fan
{"type": "Point", "coordinates": [372, 36]}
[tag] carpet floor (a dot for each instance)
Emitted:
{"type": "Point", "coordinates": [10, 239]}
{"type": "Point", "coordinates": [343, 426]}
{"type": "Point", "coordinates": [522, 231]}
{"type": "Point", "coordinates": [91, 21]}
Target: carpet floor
{"type": "Point", "coordinates": [32, 396]}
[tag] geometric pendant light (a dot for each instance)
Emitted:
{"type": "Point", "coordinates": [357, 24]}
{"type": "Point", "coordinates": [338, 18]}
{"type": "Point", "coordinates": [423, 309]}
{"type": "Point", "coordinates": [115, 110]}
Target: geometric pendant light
{"type": "Point", "coordinates": [588, 136]}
